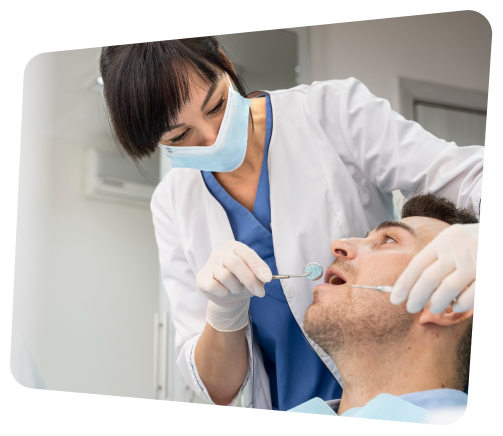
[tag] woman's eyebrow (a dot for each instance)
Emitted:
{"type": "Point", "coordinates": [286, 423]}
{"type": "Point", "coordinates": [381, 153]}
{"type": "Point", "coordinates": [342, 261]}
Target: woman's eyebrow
{"type": "Point", "coordinates": [208, 96]}
{"type": "Point", "coordinates": [174, 127]}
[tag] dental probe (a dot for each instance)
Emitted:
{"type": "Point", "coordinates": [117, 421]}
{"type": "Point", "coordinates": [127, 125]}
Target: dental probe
{"type": "Point", "coordinates": [384, 289]}
{"type": "Point", "coordinates": [312, 271]}
{"type": "Point", "coordinates": [377, 288]}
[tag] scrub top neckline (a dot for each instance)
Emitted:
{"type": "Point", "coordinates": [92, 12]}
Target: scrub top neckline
{"type": "Point", "coordinates": [274, 327]}
{"type": "Point", "coordinates": [262, 205]}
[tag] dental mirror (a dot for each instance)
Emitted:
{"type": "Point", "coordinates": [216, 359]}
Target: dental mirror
{"type": "Point", "coordinates": [312, 271]}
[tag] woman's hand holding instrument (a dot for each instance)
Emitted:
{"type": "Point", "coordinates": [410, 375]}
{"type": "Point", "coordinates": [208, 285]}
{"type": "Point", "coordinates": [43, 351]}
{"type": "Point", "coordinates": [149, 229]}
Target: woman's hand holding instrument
{"type": "Point", "coordinates": [232, 275]}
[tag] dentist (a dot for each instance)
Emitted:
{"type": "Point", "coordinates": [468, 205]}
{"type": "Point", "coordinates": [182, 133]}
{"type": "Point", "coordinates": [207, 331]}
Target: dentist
{"type": "Point", "coordinates": [261, 184]}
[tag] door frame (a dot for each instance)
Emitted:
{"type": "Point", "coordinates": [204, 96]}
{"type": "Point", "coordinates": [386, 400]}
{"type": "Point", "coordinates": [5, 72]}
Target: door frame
{"type": "Point", "coordinates": [412, 91]}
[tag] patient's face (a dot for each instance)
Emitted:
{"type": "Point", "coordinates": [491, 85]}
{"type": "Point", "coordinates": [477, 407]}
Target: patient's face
{"type": "Point", "coordinates": [341, 314]}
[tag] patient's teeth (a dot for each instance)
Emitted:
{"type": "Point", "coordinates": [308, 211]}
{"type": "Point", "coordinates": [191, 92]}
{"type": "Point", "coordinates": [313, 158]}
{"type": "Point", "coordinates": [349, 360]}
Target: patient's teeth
{"type": "Point", "coordinates": [333, 279]}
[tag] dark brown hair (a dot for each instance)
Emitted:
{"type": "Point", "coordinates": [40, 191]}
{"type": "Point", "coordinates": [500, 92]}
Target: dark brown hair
{"type": "Point", "coordinates": [439, 207]}
{"type": "Point", "coordinates": [146, 85]}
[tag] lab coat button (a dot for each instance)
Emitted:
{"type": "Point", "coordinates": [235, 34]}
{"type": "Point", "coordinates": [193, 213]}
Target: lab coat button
{"type": "Point", "coordinates": [288, 290]}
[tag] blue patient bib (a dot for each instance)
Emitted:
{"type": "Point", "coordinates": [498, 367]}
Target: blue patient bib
{"type": "Point", "coordinates": [296, 373]}
{"type": "Point", "coordinates": [383, 407]}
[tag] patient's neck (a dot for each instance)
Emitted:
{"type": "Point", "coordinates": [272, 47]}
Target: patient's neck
{"type": "Point", "coordinates": [411, 365]}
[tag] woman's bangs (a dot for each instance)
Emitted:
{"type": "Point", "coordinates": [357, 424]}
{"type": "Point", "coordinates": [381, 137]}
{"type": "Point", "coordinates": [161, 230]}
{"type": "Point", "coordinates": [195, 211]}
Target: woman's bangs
{"type": "Point", "coordinates": [147, 85]}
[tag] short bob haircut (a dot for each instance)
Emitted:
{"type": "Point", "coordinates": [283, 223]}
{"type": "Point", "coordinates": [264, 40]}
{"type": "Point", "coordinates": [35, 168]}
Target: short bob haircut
{"type": "Point", "coordinates": [146, 86]}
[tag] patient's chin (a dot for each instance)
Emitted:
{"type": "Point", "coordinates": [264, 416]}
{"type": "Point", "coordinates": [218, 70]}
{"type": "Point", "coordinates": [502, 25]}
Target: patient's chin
{"type": "Point", "coordinates": [311, 321]}
{"type": "Point", "coordinates": [320, 327]}
{"type": "Point", "coordinates": [356, 321]}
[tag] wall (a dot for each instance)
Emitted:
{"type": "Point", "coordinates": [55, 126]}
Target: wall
{"type": "Point", "coordinates": [450, 49]}
{"type": "Point", "coordinates": [86, 271]}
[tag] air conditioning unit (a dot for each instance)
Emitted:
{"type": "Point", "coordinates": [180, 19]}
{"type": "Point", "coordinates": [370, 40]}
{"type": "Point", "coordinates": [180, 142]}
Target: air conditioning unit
{"type": "Point", "coordinates": [110, 176]}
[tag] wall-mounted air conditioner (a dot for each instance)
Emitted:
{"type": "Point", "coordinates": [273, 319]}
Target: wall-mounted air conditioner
{"type": "Point", "coordinates": [110, 176]}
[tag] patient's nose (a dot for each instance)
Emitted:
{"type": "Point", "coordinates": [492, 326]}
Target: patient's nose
{"type": "Point", "coordinates": [343, 248]}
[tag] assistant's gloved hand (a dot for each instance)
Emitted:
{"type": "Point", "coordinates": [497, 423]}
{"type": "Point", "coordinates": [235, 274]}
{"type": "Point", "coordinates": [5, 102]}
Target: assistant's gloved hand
{"type": "Point", "coordinates": [233, 274]}
{"type": "Point", "coordinates": [442, 271]}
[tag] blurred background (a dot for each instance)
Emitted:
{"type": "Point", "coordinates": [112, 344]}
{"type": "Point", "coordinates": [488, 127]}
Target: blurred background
{"type": "Point", "coordinates": [90, 313]}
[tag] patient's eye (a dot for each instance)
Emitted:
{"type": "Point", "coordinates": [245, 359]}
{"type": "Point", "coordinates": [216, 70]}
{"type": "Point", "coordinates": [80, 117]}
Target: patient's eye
{"type": "Point", "coordinates": [386, 239]}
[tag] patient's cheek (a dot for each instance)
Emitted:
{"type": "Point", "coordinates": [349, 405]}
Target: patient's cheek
{"type": "Point", "coordinates": [383, 270]}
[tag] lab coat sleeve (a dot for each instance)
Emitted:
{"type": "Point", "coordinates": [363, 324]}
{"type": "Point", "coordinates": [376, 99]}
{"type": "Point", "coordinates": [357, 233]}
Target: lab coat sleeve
{"type": "Point", "coordinates": [187, 303]}
{"type": "Point", "coordinates": [394, 153]}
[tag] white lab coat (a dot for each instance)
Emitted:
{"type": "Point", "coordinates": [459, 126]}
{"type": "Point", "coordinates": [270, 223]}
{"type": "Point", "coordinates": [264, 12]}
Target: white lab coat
{"type": "Point", "coordinates": [335, 155]}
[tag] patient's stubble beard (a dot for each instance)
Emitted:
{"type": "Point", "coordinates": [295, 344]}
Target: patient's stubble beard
{"type": "Point", "coordinates": [358, 318]}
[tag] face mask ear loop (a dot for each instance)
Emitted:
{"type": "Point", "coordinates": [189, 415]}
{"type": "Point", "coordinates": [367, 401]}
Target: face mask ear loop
{"type": "Point", "coordinates": [229, 79]}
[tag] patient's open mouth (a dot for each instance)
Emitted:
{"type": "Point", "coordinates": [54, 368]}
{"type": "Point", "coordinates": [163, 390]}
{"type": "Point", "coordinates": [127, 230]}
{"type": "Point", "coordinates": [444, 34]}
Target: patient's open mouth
{"type": "Point", "coordinates": [336, 280]}
{"type": "Point", "coordinates": [334, 277]}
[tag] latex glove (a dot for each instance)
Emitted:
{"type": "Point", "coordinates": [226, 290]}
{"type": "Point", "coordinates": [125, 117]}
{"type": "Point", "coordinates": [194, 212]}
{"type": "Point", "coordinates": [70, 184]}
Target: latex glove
{"type": "Point", "coordinates": [442, 271]}
{"type": "Point", "coordinates": [232, 275]}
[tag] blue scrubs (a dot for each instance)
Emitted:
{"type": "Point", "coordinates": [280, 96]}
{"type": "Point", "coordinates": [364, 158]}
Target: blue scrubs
{"type": "Point", "coordinates": [296, 373]}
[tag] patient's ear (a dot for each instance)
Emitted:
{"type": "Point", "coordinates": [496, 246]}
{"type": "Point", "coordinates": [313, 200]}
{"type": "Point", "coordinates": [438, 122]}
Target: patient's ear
{"type": "Point", "coordinates": [446, 318]}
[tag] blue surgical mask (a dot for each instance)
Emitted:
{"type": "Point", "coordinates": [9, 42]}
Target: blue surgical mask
{"type": "Point", "coordinates": [229, 149]}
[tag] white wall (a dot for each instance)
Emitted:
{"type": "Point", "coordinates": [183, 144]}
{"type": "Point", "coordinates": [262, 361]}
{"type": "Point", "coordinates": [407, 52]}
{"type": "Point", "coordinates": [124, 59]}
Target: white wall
{"type": "Point", "coordinates": [450, 49]}
{"type": "Point", "coordinates": [86, 284]}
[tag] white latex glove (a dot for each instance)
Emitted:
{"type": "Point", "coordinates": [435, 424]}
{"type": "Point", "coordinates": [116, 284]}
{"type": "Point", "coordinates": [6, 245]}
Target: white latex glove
{"type": "Point", "coordinates": [444, 270]}
{"type": "Point", "coordinates": [232, 275]}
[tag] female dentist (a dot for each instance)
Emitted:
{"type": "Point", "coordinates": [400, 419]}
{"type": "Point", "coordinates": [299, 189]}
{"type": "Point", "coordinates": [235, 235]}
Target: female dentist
{"type": "Point", "coordinates": [261, 185]}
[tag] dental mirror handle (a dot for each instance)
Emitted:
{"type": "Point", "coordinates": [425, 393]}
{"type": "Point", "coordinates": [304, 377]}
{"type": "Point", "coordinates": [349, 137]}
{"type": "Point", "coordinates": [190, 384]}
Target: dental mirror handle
{"type": "Point", "coordinates": [289, 276]}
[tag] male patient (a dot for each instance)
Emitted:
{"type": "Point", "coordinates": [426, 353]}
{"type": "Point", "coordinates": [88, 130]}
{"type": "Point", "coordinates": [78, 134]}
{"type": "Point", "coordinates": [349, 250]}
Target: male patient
{"type": "Point", "coordinates": [422, 360]}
